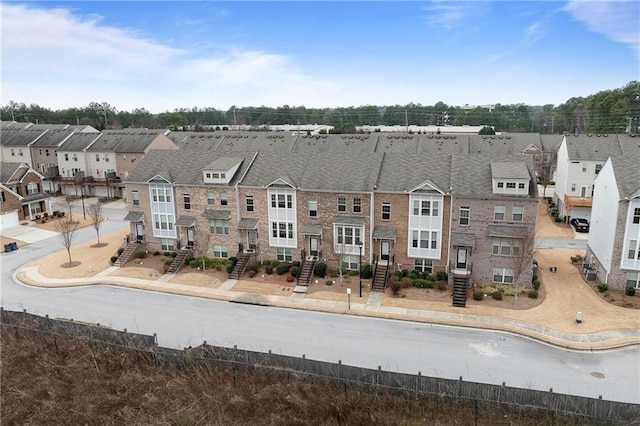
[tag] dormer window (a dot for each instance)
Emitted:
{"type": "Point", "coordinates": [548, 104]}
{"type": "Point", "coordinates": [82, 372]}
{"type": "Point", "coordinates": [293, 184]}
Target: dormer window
{"type": "Point", "coordinates": [222, 170]}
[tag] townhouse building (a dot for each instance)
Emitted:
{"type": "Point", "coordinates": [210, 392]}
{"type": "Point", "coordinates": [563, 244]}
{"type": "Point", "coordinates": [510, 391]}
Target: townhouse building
{"type": "Point", "coordinates": [95, 163]}
{"type": "Point", "coordinates": [613, 248]}
{"type": "Point", "coordinates": [579, 160]}
{"type": "Point", "coordinates": [402, 201]}
{"type": "Point", "coordinates": [22, 196]}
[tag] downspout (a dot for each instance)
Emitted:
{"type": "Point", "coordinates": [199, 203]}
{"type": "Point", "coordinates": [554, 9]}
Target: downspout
{"type": "Point", "coordinates": [235, 187]}
{"type": "Point", "coordinates": [371, 218]}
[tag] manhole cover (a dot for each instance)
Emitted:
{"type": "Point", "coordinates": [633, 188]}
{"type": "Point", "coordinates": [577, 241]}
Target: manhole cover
{"type": "Point", "coordinates": [598, 375]}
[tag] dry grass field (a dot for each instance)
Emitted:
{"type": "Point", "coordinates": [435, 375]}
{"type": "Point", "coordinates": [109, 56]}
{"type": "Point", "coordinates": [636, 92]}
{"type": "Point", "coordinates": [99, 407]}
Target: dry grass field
{"type": "Point", "coordinates": [62, 380]}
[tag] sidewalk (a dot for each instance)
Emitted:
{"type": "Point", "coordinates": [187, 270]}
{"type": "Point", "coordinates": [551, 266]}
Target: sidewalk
{"type": "Point", "coordinates": [604, 326]}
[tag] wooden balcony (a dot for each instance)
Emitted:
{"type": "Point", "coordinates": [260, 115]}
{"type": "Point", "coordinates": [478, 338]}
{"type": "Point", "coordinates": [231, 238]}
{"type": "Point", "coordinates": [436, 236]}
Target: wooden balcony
{"type": "Point", "coordinates": [577, 201]}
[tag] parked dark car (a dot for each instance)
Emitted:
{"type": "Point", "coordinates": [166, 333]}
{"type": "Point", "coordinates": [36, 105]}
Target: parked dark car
{"type": "Point", "coordinates": [580, 225]}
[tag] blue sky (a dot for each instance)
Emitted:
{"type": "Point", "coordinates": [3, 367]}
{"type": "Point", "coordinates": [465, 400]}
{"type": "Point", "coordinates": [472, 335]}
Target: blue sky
{"type": "Point", "coordinates": [167, 55]}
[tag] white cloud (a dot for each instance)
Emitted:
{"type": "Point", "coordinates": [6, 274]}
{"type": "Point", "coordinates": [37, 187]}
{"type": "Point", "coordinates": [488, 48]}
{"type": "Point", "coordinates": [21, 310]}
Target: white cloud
{"type": "Point", "coordinates": [450, 15]}
{"type": "Point", "coordinates": [617, 20]}
{"type": "Point", "coordinates": [72, 60]}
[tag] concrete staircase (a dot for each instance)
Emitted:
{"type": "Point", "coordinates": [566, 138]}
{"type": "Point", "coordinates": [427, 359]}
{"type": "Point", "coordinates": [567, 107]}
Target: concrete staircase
{"type": "Point", "coordinates": [241, 265]}
{"type": "Point", "coordinates": [306, 270]}
{"type": "Point", "coordinates": [380, 275]}
{"type": "Point", "coordinates": [178, 261]}
{"type": "Point", "coordinates": [128, 252]}
{"type": "Point", "coordinates": [460, 285]}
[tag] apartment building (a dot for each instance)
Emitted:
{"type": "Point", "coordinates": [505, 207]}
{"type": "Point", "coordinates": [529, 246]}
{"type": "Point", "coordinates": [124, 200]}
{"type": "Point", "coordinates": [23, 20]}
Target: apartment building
{"type": "Point", "coordinates": [22, 196]}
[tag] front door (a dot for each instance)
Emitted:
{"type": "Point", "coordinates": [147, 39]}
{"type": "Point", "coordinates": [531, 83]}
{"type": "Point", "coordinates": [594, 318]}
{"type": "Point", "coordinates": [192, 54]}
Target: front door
{"type": "Point", "coordinates": [461, 261]}
{"type": "Point", "coordinates": [385, 247]}
{"type": "Point", "coordinates": [313, 246]}
{"type": "Point", "coordinates": [251, 239]}
{"type": "Point", "coordinates": [139, 231]}
{"type": "Point", "coordinates": [583, 191]}
{"type": "Point", "coordinates": [189, 237]}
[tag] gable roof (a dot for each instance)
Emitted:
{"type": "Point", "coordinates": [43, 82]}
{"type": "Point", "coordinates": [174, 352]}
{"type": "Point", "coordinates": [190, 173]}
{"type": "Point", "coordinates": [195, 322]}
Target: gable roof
{"type": "Point", "coordinates": [592, 147]}
{"type": "Point", "coordinates": [20, 137]}
{"type": "Point", "coordinates": [14, 172]}
{"type": "Point", "coordinates": [53, 138]}
{"type": "Point", "coordinates": [509, 170]}
{"type": "Point", "coordinates": [471, 175]}
{"type": "Point", "coordinates": [79, 142]}
{"type": "Point", "coordinates": [626, 169]}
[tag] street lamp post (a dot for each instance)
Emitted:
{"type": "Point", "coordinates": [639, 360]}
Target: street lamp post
{"type": "Point", "coordinates": [360, 266]}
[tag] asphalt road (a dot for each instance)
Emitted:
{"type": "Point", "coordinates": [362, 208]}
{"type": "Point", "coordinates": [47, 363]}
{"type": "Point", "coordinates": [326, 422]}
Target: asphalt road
{"type": "Point", "coordinates": [434, 350]}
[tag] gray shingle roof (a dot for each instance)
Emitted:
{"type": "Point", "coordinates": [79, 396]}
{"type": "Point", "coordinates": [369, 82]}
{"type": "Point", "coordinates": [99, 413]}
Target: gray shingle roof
{"type": "Point", "coordinates": [311, 229]}
{"type": "Point", "coordinates": [53, 138]}
{"type": "Point", "coordinates": [133, 216]}
{"type": "Point", "coordinates": [186, 221]}
{"type": "Point", "coordinates": [400, 173]}
{"type": "Point", "coordinates": [359, 143]}
{"type": "Point", "coordinates": [127, 140]}
{"type": "Point", "coordinates": [592, 147]}
{"type": "Point", "coordinates": [509, 170]}
{"type": "Point", "coordinates": [471, 174]}
{"type": "Point", "coordinates": [349, 220]}
{"type": "Point", "coordinates": [248, 223]}
{"type": "Point", "coordinates": [20, 137]}
{"type": "Point", "coordinates": [7, 170]}
{"type": "Point", "coordinates": [384, 233]}
{"type": "Point", "coordinates": [223, 163]}
{"type": "Point", "coordinates": [506, 231]}
{"type": "Point", "coordinates": [627, 173]}
{"type": "Point", "coordinates": [217, 214]}
{"type": "Point", "coordinates": [78, 142]}
{"type": "Point", "coordinates": [183, 166]}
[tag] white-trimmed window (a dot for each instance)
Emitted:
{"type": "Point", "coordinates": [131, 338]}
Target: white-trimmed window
{"type": "Point", "coordinates": [465, 216]}
{"type": "Point", "coordinates": [167, 244]}
{"type": "Point", "coordinates": [163, 221]}
{"type": "Point", "coordinates": [32, 188]}
{"type": "Point", "coordinates": [584, 167]}
{"type": "Point", "coordinates": [219, 226]}
{"type": "Point", "coordinates": [633, 279]}
{"type": "Point", "coordinates": [282, 230]}
{"type": "Point", "coordinates": [386, 211]}
{"type": "Point", "coordinates": [498, 212]}
{"type": "Point", "coordinates": [518, 213]}
{"type": "Point", "coordinates": [500, 184]}
{"type": "Point", "coordinates": [350, 261]}
{"type": "Point", "coordinates": [357, 205]}
{"type": "Point", "coordinates": [284, 254]}
{"type": "Point", "coordinates": [66, 156]}
{"type": "Point", "coordinates": [223, 198]}
{"type": "Point", "coordinates": [342, 204]}
{"type": "Point", "coordinates": [220, 251]}
{"type": "Point", "coordinates": [520, 185]}
{"type": "Point", "coordinates": [186, 201]}
{"type": "Point", "coordinates": [503, 275]}
{"type": "Point", "coordinates": [511, 185]}
{"type": "Point", "coordinates": [634, 251]}
{"type": "Point", "coordinates": [424, 239]}
{"type": "Point", "coordinates": [313, 208]}
{"type": "Point", "coordinates": [573, 187]}
{"type": "Point", "coordinates": [75, 157]}
{"type": "Point", "coordinates": [423, 265]}
{"type": "Point", "coordinates": [348, 235]}
{"type": "Point", "coordinates": [506, 246]}
{"type": "Point", "coordinates": [636, 215]}
{"type": "Point", "coordinates": [282, 201]}
{"type": "Point", "coordinates": [135, 198]}
{"type": "Point", "coordinates": [426, 208]}
{"type": "Point", "coordinates": [211, 198]}
{"type": "Point", "coordinates": [161, 195]}
{"type": "Point", "coordinates": [249, 201]}
{"type": "Point", "coordinates": [106, 158]}
{"type": "Point", "coordinates": [97, 158]}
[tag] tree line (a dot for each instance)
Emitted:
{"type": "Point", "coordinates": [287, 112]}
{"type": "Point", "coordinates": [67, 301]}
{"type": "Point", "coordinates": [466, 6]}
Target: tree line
{"type": "Point", "coordinates": [609, 111]}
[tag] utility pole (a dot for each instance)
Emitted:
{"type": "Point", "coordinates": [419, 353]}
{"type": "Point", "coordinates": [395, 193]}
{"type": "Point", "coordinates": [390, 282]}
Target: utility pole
{"type": "Point", "coordinates": [406, 123]}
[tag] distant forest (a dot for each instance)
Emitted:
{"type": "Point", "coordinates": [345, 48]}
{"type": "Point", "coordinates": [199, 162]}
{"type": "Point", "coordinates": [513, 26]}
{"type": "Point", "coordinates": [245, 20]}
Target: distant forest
{"type": "Point", "coordinates": [609, 111]}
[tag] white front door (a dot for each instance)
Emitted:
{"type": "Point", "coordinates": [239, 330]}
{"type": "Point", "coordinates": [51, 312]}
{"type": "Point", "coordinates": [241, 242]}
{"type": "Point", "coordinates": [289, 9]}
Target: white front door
{"type": "Point", "coordinates": [189, 237]}
{"type": "Point", "coordinates": [385, 247]}
{"type": "Point", "coordinates": [583, 191]}
{"type": "Point", "coordinates": [461, 261]}
{"type": "Point", "coordinates": [313, 246]}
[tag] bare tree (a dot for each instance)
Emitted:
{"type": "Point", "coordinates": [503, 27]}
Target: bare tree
{"type": "Point", "coordinates": [67, 232]}
{"type": "Point", "coordinates": [66, 203]}
{"type": "Point", "coordinates": [96, 217]}
{"type": "Point", "coordinates": [522, 243]}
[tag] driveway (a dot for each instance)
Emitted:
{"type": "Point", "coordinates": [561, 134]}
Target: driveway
{"type": "Point", "coordinates": [26, 233]}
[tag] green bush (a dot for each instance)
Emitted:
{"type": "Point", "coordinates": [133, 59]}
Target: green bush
{"type": "Point", "coordinates": [334, 273]}
{"type": "Point", "coordinates": [268, 269]}
{"type": "Point", "coordinates": [167, 260]}
{"type": "Point", "coordinates": [353, 273]}
{"type": "Point", "coordinates": [602, 287]}
{"type": "Point", "coordinates": [295, 263]}
{"type": "Point", "coordinates": [533, 294]}
{"type": "Point", "coordinates": [534, 277]}
{"type": "Point", "coordinates": [113, 259]}
{"type": "Point", "coordinates": [441, 276]}
{"type": "Point", "coordinates": [230, 267]}
{"type": "Point", "coordinates": [557, 218]}
{"type": "Point", "coordinates": [478, 294]}
{"type": "Point", "coordinates": [412, 275]}
{"type": "Point", "coordinates": [367, 271]}
{"type": "Point", "coordinates": [396, 276]}
{"type": "Point", "coordinates": [141, 254]}
{"type": "Point", "coordinates": [395, 287]}
{"type": "Point", "coordinates": [283, 268]}
{"type": "Point", "coordinates": [166, 253]}
{"type": "Point", "coordinates": [630, 291]}
{"type": "Point", "coordinates": [254, 267]}
{"type": "Point", "coordinates": [120, 250]}
{"type": "Point", "coordinates": [329, 282]}
{"type": "Point", "coordinates": [406, 282]}
{"type": "Point", "coordinates": [427, 276]}
{"type": "Point", "coordinates": [497, 295]}
{"type": "Point", "coordinates": [536, 285]}
{"type": "Point", "coordinates": [320, 270]}
{"type": "Point", "coordinates": [294, 270]}
{"type": "Point", "coordinates": [156, 253]}
{"type": "Point", "coordinates": [405, 272]}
